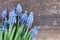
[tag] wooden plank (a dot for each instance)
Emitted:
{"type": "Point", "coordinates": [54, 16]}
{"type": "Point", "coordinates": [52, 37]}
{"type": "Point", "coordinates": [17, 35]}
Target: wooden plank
{"type": "Point", "coordinates": [48, 35]}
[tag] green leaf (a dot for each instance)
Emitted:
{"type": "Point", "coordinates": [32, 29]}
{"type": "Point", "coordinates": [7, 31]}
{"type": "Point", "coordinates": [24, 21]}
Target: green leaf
{"type": "Point", "coordinates": [19, 32]}
{"type": "Point", "coordinates": [25, 35]}
{"type": "Point", "coordinates": [28, 36]}
{"type": "Point", "coordinates": [10, 29]}
{"type": "Point", "coordinates": [0, 35]}
{"type": "Point", "coordinates": [6, 36]}
{"type": "Point", "coordinates": [12, 33]}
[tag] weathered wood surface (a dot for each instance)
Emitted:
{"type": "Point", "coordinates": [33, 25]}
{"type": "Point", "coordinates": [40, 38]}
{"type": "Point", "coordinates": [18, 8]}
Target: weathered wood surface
{"type": "Point", "coordinates": [46, 13]}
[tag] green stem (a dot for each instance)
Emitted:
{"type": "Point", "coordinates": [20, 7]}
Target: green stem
{"type": "Point", "coordinates": [3, 32]}
{"type": "Point", "coordinates": [30, 38]}
{"type": "Point", "coordinates": [18, 20]}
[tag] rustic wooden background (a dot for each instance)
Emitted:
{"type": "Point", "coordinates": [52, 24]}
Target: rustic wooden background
{"type": "Point", "coordinates": [46, 13]}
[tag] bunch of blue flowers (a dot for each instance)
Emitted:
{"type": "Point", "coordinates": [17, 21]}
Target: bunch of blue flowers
{"type": "Point", "coordinates": [18, 25]}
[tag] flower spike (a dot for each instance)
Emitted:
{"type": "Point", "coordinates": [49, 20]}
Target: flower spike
{"type": "Point", "coordinates": [18, 9]}
{"type": "Point", "coordinates": [34, 31]}
{"type": "Point", "coordinates": [4, 13]}
{"type": "Point", "coordinates": [30, 19]}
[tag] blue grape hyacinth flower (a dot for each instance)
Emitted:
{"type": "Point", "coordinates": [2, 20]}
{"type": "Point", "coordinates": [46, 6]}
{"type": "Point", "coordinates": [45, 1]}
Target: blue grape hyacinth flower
{"type": "Point", "coordinates": [33, 38]}
{"type": "Point", "coordinates": [12, 13]}
{"type": "Point", "coordinates": [18, 9]}
{"type": "Point", "coordinates": [4, 13]}
{"type": "Point", "coordinates": [23, 17]}
{"type": "Point", "coordinates": [12, 16]}
{"type": "Point", "coordinates": [5, 23]}
{"type": "Point", "coordinates": [3, 29]}
{"type": "Point", "coordinates": [34, 31]}
{"type": "Point", "coordinates": [30, 19]}
{"type": "Point", "coordinates": [4, 26]}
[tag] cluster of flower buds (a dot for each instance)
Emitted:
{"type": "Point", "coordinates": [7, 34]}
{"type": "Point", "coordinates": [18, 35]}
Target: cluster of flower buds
{"type": "Point", "coordinates": [24, 18]}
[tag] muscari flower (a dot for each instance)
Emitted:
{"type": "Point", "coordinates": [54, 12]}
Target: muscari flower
{"type": "Point", "coordinates": [29, 20]}
{"type": "Point", "coordinates": [34, 31]}
{"type": "Point", "coordinates": [33, 38]}
{"type": "Point", "coordinates": [4, 13]}
{"type": "Point", "coordinates": [3, 29]}
{"type": "Point", "coordinates": [12, 17]}
{"type": "Point", "coordinates": [5, 23]}
{"type": "Point", "coordinates": [23, 17]}
{"type": "Point", "coordinates": [18, 9]}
